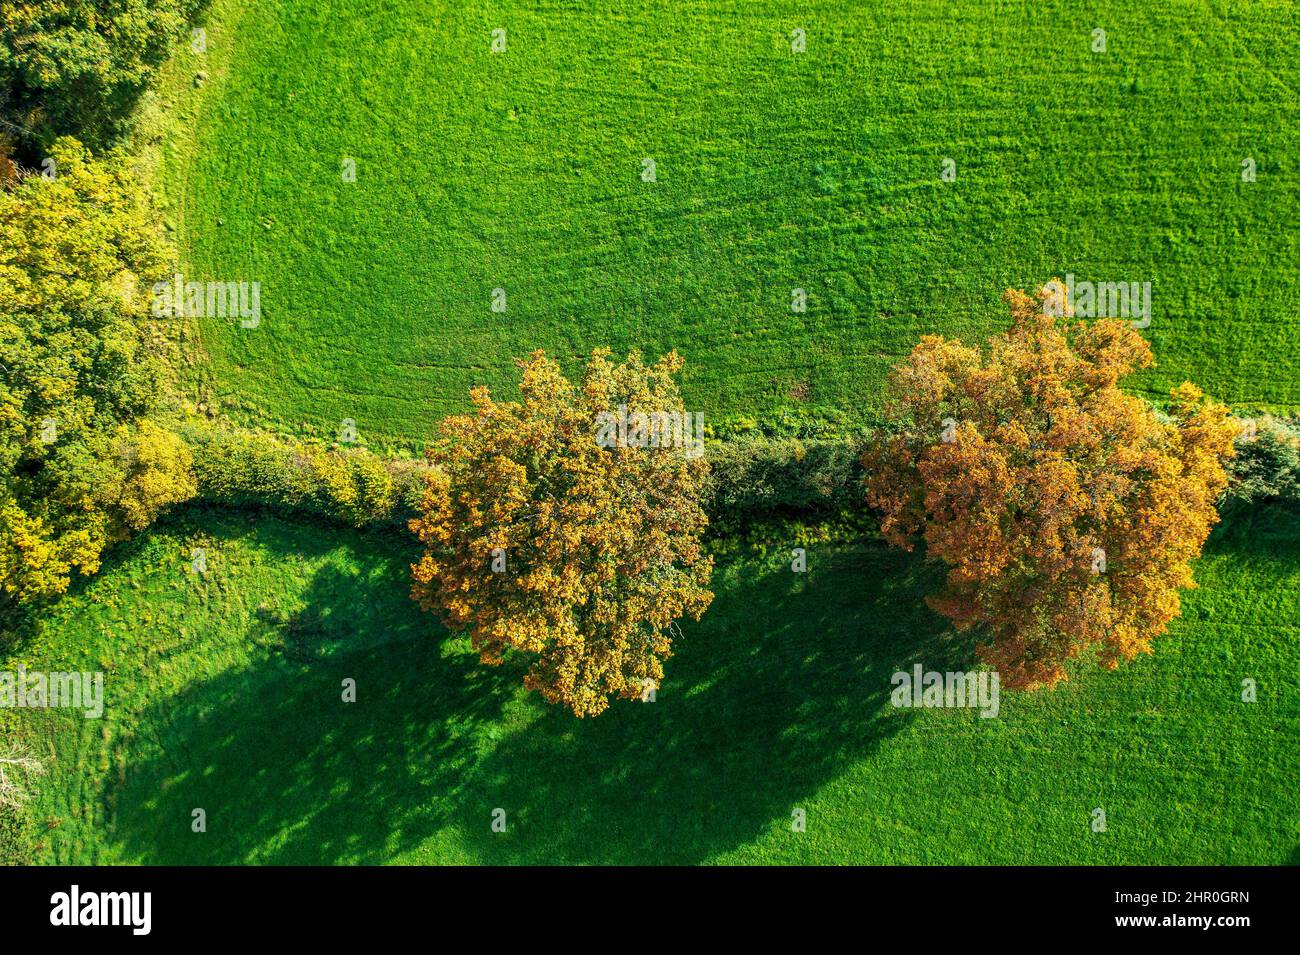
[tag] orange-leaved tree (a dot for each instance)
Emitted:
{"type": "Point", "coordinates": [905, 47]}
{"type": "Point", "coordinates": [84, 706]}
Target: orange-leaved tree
{"type": "Point", "coordinates": [568, 526]}
{"type": "Point", "coordinates": [1066, 511]}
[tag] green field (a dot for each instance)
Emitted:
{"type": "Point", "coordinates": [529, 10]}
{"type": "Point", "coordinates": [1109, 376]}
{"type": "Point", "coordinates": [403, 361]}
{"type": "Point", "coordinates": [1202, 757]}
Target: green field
{"type": "Point", "coordinates": [225, 695]}
{"type": "Point", "coordinates": [775, 170]}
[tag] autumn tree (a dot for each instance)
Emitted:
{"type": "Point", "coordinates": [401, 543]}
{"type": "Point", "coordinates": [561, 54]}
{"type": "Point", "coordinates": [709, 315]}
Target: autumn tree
{"type": "Point", "coordinates": [157, 471]}
{"type": "Point", "coordinates": [550, 534]}
{"type": "Point", "coordinates": [81, 463]}
{"type": "Point", "coordinates": [1066, 511]}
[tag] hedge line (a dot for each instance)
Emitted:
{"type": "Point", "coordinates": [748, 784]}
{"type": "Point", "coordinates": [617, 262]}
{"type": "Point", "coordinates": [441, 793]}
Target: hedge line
{"type": "Point", "coordinates": [751, 478]}
{"type": "Point", "coordinates": [754, 477]}
{"type": "Point", "coordinates": [1266, 469]}
{"type": "Point", "coordinates": [253, 468]}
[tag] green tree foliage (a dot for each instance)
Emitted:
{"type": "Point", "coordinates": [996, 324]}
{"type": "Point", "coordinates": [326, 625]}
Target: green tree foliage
{"type": "Point", "coordinates": [243, 468]}
{"type": "Point", "coordinates": [1267, 467]}
{"type": "Point", "coordinates": [84, 61]}
{"type": "Point", "coordinates": [80, 466]}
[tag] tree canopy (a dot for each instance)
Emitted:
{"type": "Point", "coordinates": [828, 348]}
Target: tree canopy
{"type": "Point", "coordinates": [80, 462]}
{"type": "Point", "coordinates": [82, 62]}
{"type": "Point", "coordinates": [578, 553]}
{"type": "Point", "coordinates": [1066, 510]}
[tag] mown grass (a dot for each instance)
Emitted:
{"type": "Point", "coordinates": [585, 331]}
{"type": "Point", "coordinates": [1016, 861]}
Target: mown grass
{"type": "Point", "coordinates": [775, 170]}
{"type": "Point", "coordinates": [224, 693]}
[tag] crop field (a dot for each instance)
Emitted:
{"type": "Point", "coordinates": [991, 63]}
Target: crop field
{"type": "Point", "coordinates": [227, 697]}
{"type": "Point", "coordinates": [525, 170]}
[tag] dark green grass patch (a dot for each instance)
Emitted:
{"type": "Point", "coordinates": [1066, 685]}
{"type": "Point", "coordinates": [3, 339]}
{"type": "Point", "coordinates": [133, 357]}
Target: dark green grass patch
{"type": "Point", "coordinates": [225, 693]}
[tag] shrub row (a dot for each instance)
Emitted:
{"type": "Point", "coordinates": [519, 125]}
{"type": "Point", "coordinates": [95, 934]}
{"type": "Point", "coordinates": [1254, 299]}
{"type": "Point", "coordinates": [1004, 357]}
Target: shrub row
{"type": "Point", "coordinates": [755, 478]}
{"type": "Point", "coordinates": [253, 468]}
{"type": "Point", "coordinates": [1266, 469]}
{"type": "Point", "coordinates": [752, 479]}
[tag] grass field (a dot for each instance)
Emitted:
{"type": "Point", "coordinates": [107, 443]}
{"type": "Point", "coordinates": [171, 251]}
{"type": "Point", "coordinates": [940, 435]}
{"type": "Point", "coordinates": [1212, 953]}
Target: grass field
{"type": "Point", "coordinates": [775, 170]}
{"type": "Point", "coordinates": [225, 695]}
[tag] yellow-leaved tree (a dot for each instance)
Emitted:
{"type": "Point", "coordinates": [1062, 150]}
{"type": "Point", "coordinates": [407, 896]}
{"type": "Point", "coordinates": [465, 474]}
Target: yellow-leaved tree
{"type": "Point", "coordinates": [567, 526]}
{"type": "Point", "coordinates": [157, 471]}
{"type": "Point", "coordinates": [1066, 511]}
{"type": "Point", "coordinates": [82, 463]}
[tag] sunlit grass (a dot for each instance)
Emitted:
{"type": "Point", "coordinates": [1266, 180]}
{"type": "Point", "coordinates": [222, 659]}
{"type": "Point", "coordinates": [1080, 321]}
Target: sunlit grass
{"type": "Point", "coordinates": [775, 171]}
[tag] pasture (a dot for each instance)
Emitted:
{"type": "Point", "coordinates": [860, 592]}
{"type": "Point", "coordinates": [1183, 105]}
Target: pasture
{"type": "Point", "coordinates": [519, 179]}
{"type": "Point", "coordinates": [522, 171]}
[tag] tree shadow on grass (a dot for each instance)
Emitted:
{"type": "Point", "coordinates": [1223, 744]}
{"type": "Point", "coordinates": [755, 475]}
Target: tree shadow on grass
{"type": "Point", "coordinates": [1263, 528]}
{"type": "Point", "coordinates": [284, 768]}
{"type": "Point", "coordinates": [784, 683]}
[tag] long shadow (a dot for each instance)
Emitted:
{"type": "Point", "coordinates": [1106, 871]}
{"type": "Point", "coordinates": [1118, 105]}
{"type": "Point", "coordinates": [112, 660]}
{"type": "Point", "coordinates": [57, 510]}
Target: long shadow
{"type": "Point", "coordinates": [288, 771]}
{"type": "Point", "coordinates": [784, 683]}
{"type": "Point", "coordinates": [1269, 527]}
